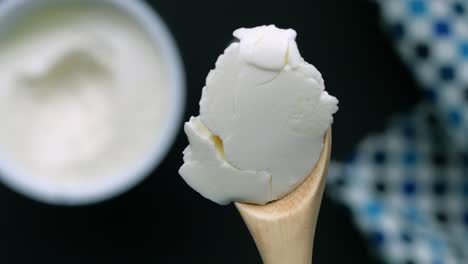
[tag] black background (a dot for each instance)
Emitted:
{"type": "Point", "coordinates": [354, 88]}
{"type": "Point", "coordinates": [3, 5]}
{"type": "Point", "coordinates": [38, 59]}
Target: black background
{"type": "Point", "coordinates": [162, 220]}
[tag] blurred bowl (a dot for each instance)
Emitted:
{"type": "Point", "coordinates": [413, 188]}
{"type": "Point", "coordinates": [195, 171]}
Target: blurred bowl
{"type": "Point", "coordinates": [13, 10]}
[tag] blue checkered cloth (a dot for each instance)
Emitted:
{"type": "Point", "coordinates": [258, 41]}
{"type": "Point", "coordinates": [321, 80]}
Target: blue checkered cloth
{"type": "Point", "coordinates": [408, 186]}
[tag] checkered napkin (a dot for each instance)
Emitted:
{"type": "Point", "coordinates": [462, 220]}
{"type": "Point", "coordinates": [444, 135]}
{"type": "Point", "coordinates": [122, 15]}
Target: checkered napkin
{"type": "Point", "coordinates": [408, 186]}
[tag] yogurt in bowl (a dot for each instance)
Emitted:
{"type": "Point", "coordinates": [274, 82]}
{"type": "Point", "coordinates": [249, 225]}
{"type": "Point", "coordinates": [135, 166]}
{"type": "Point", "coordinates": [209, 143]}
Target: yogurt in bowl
{"type": "Point", "coordinates": [91, 97]}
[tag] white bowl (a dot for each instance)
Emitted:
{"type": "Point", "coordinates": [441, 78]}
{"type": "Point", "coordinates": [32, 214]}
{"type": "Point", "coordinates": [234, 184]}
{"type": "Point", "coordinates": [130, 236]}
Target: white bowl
{"type": "Point", "coordinates": [10, 12]}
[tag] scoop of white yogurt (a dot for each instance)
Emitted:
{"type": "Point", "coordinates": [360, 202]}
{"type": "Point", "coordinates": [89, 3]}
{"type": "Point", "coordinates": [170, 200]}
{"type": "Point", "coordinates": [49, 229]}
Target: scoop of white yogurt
{"type": "Point", "coordinates": [263, 115]}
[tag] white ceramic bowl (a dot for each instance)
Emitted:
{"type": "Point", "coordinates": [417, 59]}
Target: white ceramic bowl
{"type": "Point", "coordinates": [12, 11]}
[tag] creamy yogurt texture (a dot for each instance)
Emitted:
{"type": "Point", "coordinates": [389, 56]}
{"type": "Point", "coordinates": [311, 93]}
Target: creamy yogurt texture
{"type": "Point", "coordinates": [263, 116]}
{"type": "Point", "coordinates": [82, 94]}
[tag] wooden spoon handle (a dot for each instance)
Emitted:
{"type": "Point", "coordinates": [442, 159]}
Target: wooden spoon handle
{"type": "Point", "coordinates": [284, 230]}
{"type": "Point", "coordinates": [288, 240]}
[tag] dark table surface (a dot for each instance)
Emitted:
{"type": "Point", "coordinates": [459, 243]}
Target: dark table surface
{"type": "Point", "coordinates": [162, 220]}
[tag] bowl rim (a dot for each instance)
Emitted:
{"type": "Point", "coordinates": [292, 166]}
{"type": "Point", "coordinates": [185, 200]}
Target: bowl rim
{"type": "Point", "coordinates": [159, 33]}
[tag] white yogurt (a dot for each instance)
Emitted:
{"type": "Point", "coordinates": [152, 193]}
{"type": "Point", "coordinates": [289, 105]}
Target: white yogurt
{"type": "Point", "coordinates": [263, 115]}
{"type": "Point", "coordinates": [85, 94]}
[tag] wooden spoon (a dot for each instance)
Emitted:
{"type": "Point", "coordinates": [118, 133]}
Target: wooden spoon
{"type": "Point", "coordinates": [284, 230]}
